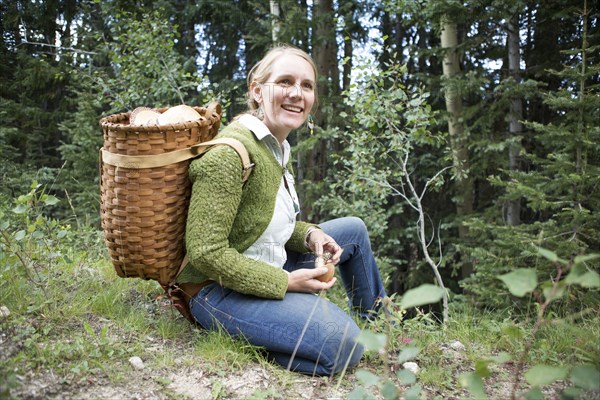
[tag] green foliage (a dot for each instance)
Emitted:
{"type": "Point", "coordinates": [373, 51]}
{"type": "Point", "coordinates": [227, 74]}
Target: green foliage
{"type": "Point", "coordinates": [162, 53]}
{"type": "Point", "coordinates": [32, 105]}
{"type": "Point", "coordinates": [424, 294]}
{"type": "Point", "coordinates": [82, 322]}
{"type": "Point", "coordinates": [83, 137]}
{"type": "Point", "coordinates": [386, 123]}
{"type": "Point", "coordinates": [369, 381]}
{"type": "Point", "coordinates": [559, 190]}
{"type": "Point", "coordinates": [522, 282]}
{"type": "Point", "coordinates": [29, 237]}
{"type": "Point", "coordinates": [147, 69]}
{"type": "Point", "coordinates": [541, 375]}
{"type": "Point", "coordinates": [381, 343]}
{"type": "Point", "coordinates": [71, 293]}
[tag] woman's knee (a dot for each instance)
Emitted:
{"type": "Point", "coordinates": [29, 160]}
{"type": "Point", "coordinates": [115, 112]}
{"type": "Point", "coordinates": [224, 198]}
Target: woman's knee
{"type": "Point", "coordinates": [349, 228]}
{"type": "Point", "coordinates": [355, 224]}
{"type": "Point", "coordinates": [348, 351]}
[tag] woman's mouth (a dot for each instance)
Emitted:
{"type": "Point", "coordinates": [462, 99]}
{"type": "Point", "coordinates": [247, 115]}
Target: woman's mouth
{"type": "Point", "coordinates": [291, 108]}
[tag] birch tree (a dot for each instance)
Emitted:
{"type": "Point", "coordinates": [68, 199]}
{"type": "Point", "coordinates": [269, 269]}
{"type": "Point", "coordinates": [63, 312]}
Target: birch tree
{"type": "Point", "coordinates": [513, 207]}
{"type": "Point", "coordinates": [275, 22]}
{"type": "Point", "coordinates": [456, 131]}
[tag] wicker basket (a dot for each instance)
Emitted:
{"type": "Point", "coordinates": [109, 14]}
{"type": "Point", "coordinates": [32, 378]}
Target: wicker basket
{"type": "Point", "coordinates": [143, 210]}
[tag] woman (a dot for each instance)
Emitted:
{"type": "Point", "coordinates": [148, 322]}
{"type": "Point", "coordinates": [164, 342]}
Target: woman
{"type": "Point", "coordinates": [253, 258]}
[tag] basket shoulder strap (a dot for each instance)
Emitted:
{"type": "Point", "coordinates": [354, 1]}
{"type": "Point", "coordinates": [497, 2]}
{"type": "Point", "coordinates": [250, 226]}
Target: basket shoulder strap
{"type": "Point", "coordinates": [172, 157]}
{"type": "Point", "coordinates": [240, 149]}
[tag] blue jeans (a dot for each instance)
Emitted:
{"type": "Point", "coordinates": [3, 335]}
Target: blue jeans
{"type": "Point", "coordinates": [303, 332]}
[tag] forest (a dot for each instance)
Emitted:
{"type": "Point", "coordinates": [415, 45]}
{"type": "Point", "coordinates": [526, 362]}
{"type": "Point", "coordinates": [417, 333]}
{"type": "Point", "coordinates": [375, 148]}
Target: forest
{"type": "Point", "coordinates": [466, 134]}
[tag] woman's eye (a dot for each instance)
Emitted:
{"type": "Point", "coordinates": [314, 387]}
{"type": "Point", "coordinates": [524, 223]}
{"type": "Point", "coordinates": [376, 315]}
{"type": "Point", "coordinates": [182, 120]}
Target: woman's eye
{"type": "Point", "coordinates": [285, 82]}
{"type": "Point", "coordinates": [308, 85]}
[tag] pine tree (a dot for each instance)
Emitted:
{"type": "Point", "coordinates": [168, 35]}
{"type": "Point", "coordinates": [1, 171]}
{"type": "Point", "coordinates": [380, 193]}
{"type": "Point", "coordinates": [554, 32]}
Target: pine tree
{"type": "Point", "coordinates": [560, 189]}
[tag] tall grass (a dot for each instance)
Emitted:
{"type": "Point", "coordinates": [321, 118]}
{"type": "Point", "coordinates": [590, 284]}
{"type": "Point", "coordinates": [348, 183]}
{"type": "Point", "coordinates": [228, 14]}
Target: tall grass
{"type": "Point", "coordinates": [72, 315]}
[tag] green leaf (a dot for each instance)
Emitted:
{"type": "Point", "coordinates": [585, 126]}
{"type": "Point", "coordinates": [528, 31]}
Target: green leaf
{"type": "Point", "coordinates": [512, 331]}
{"type": "Point", "coordinates": [408, 354]}
{"type": "Point", "coordinates": [389, 391]}
{"type": "Point", "coordinates": [474, 384]}
{"type": "Point", "coordinates": [88, 329]}
{"type": "Point", "coordinates": [406, 377]}
{"type": "Point", "coordinates": [520, 281]}
{"type": "Point", "coordinates": [62, 233]}
{"type": "Point", "coordinates": [540, 375]}
{"type": "Point", "coordinates": [553, 291]}
{"type": "Point", "coordinates": [580, 275]}
{"type": "Point", "coordinates": [534, 394]}
{"type": "Point", "coordinates": [360, 393]}
{"type": "Point", "coordinates": [501, 358]}
{"type": "Point", "coordinates": [216, 391]}
{"type": "Point", "coordinates": [586, 377]}
{"type": "Point", "coordinates": [481, 368]}
{"type": "Point", "coordinates": [413, 393]}
{"type": "Point", "coordinates": [571, 393]}
{"type": "Point", "coordinates": [372, 341]}
{"type": "Point", "coordinates": [550, 255]}
{"type": "Point", "coordinates": [51, 200]}
{"type": "Point", "coordinates": [585, 258]}
{"type": "Point", "coordinates": [367, 378]}
{"type": "Point", "coordinates": [20, 209]}
{"type": "Point", "coordinates": [20, 235]}
{"type": "Point", "coordinates": [424, 294]}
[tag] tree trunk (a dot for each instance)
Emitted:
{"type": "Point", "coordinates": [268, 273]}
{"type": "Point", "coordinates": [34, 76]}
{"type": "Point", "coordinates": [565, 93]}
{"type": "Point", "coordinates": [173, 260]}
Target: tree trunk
{"type": "Point", "coordinates": [275, 21]}
{"type": "Point", "coordinates": [349, 34]}
{"type": "Point", "coordinates": [460, 154]}
{"type": "Point", "coordinates": [325, 53]}
{"type": "Point", "coordinates": [348, 54]}
{"type": "Point", "coordinates": [325, 48]}
{"type": "Point", "coordinates": [513, 210]}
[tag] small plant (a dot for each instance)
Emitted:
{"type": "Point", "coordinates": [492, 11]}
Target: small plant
{"type": "Point", "coordinates": [383, 344]}
{"type": "Point", "coordinates": [393, 123]}
{"type": "Point", "coordinates": [28, 237]}
{"type": "Point", "coordinates": [524, 281]}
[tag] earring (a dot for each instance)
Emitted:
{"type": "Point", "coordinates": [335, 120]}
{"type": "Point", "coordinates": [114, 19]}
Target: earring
{"type": "Point", "coordinates": [311, 123]}
{"type": "Point", "coordinates": [259, 113]}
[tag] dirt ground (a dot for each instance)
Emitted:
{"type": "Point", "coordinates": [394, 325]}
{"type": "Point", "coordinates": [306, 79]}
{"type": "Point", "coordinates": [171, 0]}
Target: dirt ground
{"type": "Point", "coordinates": [189, 377]}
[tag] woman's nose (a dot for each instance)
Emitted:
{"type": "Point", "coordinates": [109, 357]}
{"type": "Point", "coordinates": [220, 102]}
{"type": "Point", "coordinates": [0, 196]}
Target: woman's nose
{"type": "Point", "coordinates": [295, 91]}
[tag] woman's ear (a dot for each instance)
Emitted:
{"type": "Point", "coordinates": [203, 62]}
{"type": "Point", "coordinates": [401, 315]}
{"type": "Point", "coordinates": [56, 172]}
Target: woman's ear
{"type": "Point", "coordinates": [256, 91]}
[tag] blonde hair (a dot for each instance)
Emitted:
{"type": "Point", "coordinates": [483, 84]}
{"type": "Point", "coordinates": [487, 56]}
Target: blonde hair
{"type": "Point", "coordinates": [261, 71]}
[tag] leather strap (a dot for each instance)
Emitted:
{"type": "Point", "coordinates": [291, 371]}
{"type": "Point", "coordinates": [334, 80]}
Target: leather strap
{"type": "Point", "coordinates": [172, 157]}
{"type": "Point", "coordinates": [181, 294]}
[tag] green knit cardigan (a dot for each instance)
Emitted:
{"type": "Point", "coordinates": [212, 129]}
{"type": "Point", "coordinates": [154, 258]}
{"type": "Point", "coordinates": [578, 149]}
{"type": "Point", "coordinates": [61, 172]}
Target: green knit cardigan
{"type": "Point", "coordinates": [225, 218]}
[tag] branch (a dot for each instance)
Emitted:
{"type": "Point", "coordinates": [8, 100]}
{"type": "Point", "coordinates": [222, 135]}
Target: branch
{"type": "Point", "coordinates": [58, 47]}
{"type": "Point", "coordinates": [424, 245]}
{"type": "Point", "coordinates": [440, 246]}
{"type": "Point", "coordinates": [441, 171]}
{"type": "Point", "coordinates": [536, 327]}
{"type": "Point", "coordinates": [432, 229]}
{"type": "Point", "coordinates": [393, 189]}
{"type": "Point", "coordinates": [8, 243]}
{"type": "Point", "coordinates": [172, 80]}
{"type": "Point", "coordinates": [26, 41]}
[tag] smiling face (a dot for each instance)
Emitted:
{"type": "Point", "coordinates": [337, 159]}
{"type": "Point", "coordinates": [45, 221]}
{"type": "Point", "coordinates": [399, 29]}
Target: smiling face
{"type": "Point", "coordinates": [287, 95]}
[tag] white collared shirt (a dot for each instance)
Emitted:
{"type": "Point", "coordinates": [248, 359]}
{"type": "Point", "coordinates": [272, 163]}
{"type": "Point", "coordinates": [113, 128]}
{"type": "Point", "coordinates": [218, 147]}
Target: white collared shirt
{"type": "Point", "coordinates": [270, 246]}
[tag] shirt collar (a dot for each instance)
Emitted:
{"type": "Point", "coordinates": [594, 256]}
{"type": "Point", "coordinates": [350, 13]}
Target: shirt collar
{"type": "Point", "coordinates": [260, 131]}
{"type": "Point", "coordinates": [257, 127]}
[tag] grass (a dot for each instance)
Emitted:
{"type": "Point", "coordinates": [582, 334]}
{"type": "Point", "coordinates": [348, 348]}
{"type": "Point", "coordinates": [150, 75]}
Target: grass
{"type": "Point", "coordinates": [77, 319]}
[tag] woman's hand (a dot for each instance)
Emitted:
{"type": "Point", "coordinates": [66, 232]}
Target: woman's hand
{"type": "Point", "coordinates": [304, 280]}
{"type": "Point", "coordinates": [318, 241]}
